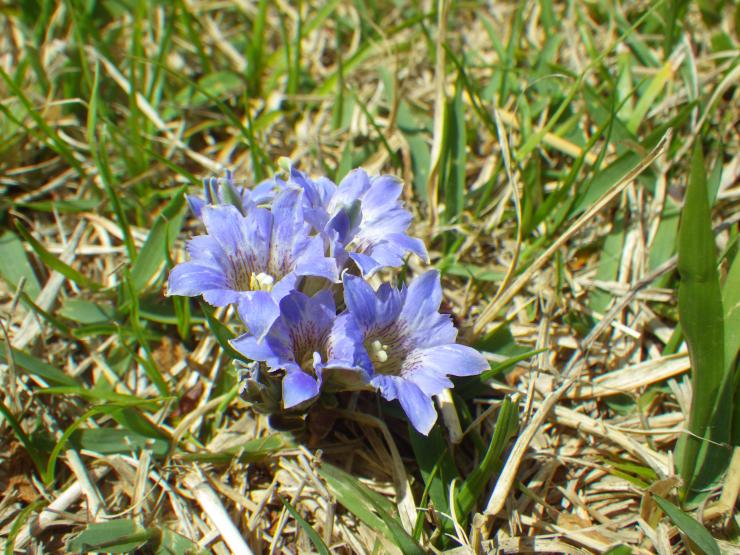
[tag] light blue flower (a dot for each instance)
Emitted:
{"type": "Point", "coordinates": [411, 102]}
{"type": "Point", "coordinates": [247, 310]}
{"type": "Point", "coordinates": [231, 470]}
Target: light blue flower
{"type": "Point", "coordinates": [361, 218]}
{"type": "Point", "coordinates": [312, 345]}
{"type": "Point", "coordinates": [411, 346]}
{"type": "Point", "coordinates": [253, 260]}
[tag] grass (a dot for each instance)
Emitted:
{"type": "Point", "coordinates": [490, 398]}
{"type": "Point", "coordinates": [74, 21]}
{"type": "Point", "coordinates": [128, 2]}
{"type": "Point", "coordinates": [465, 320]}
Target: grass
{"type": "Point", "coordinates": [547, 149]}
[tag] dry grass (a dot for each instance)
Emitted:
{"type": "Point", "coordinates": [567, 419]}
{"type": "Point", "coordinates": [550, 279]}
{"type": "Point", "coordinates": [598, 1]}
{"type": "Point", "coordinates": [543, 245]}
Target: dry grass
{"type": "Point", "coordinates": [602, 401]}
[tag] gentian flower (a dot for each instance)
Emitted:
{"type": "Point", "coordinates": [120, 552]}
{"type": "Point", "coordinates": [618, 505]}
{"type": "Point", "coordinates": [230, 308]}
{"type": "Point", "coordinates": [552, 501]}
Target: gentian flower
{"type": "Point", "coordinates": [362, 218]}
{"type": "Point", "coordinates": [312, 345]}
{"type": "Point", "coordinates": [218, 191]}
{"type": "Point", "coordinates": [253, 260]}
{"type": "Point", "coordinates": [411, 346]}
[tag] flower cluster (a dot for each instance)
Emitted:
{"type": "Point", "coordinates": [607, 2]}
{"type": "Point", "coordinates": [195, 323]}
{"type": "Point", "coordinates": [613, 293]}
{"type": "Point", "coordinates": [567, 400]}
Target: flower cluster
{"type": "Point", "coordinates": [295, 256]}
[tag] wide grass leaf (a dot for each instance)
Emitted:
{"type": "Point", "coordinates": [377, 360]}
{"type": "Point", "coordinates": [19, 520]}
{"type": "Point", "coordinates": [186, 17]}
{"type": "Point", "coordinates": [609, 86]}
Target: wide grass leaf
{"type": "Point", "coordinates": [32, 365]}
{"type": "Point", "coordinates": [473, 487]}
{"type": "Point", "coordinates": [16, 265]}
{"type": "Point", "coordinates": [152, 256]}
{"type": "Point", "coordinates": [370, 507]}
{"type": "Point", "coordinates": [115, 536]}
{"type": "Point", "coordinates": [701, 317]}
{"type": "Point", "coordinates": [699, 535]}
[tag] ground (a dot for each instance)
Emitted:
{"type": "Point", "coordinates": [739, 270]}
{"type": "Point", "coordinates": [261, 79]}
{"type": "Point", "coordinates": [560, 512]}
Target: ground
{"type": "Point", "coordinates": [547, 150]}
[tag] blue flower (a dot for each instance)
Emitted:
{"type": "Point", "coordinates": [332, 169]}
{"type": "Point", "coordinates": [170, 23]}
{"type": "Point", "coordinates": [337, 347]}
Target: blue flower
{"type": "Point", "coordinates": [253, 260]}
{"type": "Point", "coordinates": [312, 345]}
{"type": "Point", "coordinates": [362, 218]}
{"type": "Point", "coordinates": [410, 345]}
{"type": "Point", "coordinates": [224, 191]}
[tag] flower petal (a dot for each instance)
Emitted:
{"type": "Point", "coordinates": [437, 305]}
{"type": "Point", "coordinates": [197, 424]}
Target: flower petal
{"type": "Point", "coordinates": [312, 262]}
{"type": "Point", "coordinates": [226, 225]}
{"type": "Point", "coordinates": [381, 196]}
{"type": "Point", "coordinates": [360, 300]}
{"type": "Point", "coordinates": [298, 387]}
{"type": "Point", "coordinates": [451, 359]}
{"type": "Point", "coordinates": [258, 310]}
{"type": "Point", "coordinates": [221, 296]}
{"type": "Point", "coordinates": [191, 278]}
{"type": "Point", "coordinates": [418, 407]}
{"type": "Point", "coordinates": [344, 345]}
{"type": "Point", "coordinates": [196, 204]}
{"type": "Point", "coordinates": [423, 299]}
{"type": "Point", "coordinates": [206, 250]}
{"type": "Point", "coordinates": [367, 264]}
{"type": "Point", "coordinates": [349, 190]}
{"type": "Point", "coordinates": [271, 352]}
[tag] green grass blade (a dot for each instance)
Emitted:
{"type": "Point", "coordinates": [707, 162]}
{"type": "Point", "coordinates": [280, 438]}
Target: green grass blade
{"type": "Point", "coordinates": [474, 485]}
{"type": "Point", "coordinates": [373, 509]}
{"type": "Point", "coordinates": [32, 365]}
{"type": "Point", "coordinates": [699, 535]}
{"type": "Point", "coordinates": [701, 317]}
{"type": "Point", "coordinates": [57, 143]}
{"type": "Point", "coordinates": [316, 540]}
{"type": "Point", "coordinates": [16, 265]}
{"type": "Point", "coordinates": [19, 522]}
{"type": "Point", "coordinates": [165, 229]}
{"type": "Point", "coordinates": [54, 263]}
{"type": "Point", "coordinates": [33, 452]}
{"type": "Point", "coordinates": [96, 138]}
{"type": "Point", "coordinates": [437, 469]}
{"type": "Point", "coordinates": [114, 536]}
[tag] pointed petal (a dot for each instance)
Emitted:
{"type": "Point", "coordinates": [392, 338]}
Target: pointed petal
{"type": "Point", "coordinates": [367, 264]}
{"type": "Point", "coordinates": [284, 286]}
{"type": "Point", "coordinates": [312, 262]}
{"type": "Point", "coordinates": [418, 407]}
{"type": "Point", "coordinates": [266, 351]}
{"type": "Point", "coordinates": [221, 296]}
{"type": "Point", "coordinates": [190, 279]}
{"type": "Point", "coordinates": [381, 196]}
{"type": "Point", "coordinates": [287, 229]}
{"type": "Point", "coordinates": [226, 225]}
{"type": "Point", "coordinates": [196, 204]}
{"type": "Point", "coordinates": [360, 300]}
{"type": "Point", "coordinates": [423, 299]}
{"type": "Point", "coordinates": [350, 189]}
{"type": "Point", "coordinates": [451, 359]}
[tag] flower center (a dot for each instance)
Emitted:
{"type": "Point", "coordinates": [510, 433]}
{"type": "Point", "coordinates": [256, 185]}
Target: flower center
{"type": "Point", "coordinates": [378, 352]}
{"type": "Point", "coordinates": [243, 277]}
{"type": "Point", "coordinates": [387, 350]}
{"type": "Point", "coordinates": [261, 282]}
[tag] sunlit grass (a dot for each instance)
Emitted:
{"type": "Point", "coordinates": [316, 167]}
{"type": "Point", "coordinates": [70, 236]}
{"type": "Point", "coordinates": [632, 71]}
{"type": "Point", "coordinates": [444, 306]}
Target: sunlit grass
{"type": "Point", "coordinates": [547, 154]}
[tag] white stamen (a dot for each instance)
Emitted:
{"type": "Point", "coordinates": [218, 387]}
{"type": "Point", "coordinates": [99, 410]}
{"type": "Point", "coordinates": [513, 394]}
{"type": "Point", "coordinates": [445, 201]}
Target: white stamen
{"type": "Point", "coordinates": [261, 282]}
{"type": "Point", "coordinates": [379, 352]}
